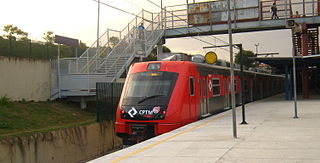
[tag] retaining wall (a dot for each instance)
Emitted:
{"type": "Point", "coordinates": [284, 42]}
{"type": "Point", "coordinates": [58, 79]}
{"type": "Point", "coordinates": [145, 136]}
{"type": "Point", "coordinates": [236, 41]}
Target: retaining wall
{"type": "Point", "coordinates": [25, 79]}
{"type": "Point", "coordinates": [70, 145]}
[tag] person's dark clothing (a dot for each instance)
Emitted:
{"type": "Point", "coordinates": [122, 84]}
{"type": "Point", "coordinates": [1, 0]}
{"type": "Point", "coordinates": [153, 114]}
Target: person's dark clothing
{"type": "Point", "coordinates": [274, 12]}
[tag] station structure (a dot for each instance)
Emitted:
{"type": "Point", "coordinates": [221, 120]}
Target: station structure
{"type": "Point", "coordinates": [117, 50]}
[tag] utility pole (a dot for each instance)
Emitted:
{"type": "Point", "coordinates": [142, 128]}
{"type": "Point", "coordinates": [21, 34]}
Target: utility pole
{"type": "Point", "coordinates": [241, 78]}
{"type": "Point", "coordinates": [233, 101]}
{"type": "Point", "coordinates": [98, 24]}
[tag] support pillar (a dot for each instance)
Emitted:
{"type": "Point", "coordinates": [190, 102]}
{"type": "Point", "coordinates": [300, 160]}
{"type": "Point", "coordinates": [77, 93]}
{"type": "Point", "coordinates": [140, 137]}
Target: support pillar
{"type": "Point", "coordinates": [286, 83]}
{"type": "Point", "coordinates": [305, 82]}
{"type": "Point", "coordinates": [304, 50]}
{"type": "Point", "coordinates": [83, 103]}
{"type": "Point", "coordinates": [304, 39]}
{"type": "Point", "coordinates": [291, 85]}
{"type": "Point", "coordinates": [318, 8]}
{"type": "Point", "coordinates": [160, 49]}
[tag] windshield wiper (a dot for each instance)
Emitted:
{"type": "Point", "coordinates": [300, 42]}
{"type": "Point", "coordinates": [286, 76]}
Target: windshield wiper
{"type": "Point", "coordinates": [148, 97]}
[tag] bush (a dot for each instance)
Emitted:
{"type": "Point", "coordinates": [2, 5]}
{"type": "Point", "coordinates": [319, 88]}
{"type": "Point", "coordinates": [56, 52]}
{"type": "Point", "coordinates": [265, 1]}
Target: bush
{"type": "Point", "coordinates": [5, 101]}
{"type": "Point", "coordinates": [35, 50]}
{"type": "Point", "coordinates": [4, 125]}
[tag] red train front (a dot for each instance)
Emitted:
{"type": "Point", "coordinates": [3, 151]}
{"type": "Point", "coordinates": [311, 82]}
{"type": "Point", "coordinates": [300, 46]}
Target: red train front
{"type": "Point", "coordinates": [155, 100]}
{"type": "Point", "coordinates": [161, 96]}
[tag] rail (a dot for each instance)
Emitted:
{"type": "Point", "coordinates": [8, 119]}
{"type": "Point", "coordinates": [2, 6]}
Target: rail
{"type": "Point", "coordinates": [179, 16]}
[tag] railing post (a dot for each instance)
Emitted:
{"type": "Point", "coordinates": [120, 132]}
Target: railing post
{"type": "Point", "coordinates": [188, 15]}
{"type": "Point", "coordinates": [304, 8]}
{"type": "Point", "coordinates": [108, 37]}
{"type": "Point", "coordinates": [88, 73]}
{"type": "Point", "coordinates": [136, 21]}
{"type": "Point", "coordinates": [152, 21]}
{"type": "Point", "coordinates": [105, 66]}
{"type": "Point", "coordinates": [318, 8]}
{"type": "Point", "coordinates": [160, 18]}
{"type": "Point", "coordinates": [313, 8]}
{"type": "Point", "coordinates": [286, 14]}
{"type": "Point", "coordinates": [142, 15]}
{"type": "Point", "coordinates": [59, 75]}
{"type": "Point", "coordinates": [77, 65]}
{"type": "Point", "coordinates": [165, 18]}
{"type": "Point", "coordinates": [172, 19]}
{"type": "Point", "coordinates": [129, 34]}
{"type": "Point", "coordinates": [210, 16]}
{"type": "Point", "coordinates": [260, 9]}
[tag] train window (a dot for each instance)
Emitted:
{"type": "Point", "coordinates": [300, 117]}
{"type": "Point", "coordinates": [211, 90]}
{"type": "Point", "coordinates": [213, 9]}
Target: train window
{"type": "Point", "coordinates": [145, 84]}
{"type": "Point", "coordinates": [216, 87]}
{"type": "Point", "coordinates": [191, 83]}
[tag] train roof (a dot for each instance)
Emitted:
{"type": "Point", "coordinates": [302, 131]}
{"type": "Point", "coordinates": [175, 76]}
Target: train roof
{"type": "Point", "coordinates": [205, 65]}
{"type": "Point", "coordinates": [235, 69]}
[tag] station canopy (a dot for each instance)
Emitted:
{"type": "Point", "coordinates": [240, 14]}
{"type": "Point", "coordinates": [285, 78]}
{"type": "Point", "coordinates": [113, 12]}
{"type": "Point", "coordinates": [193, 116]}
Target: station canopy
{"type": "Point", "coordinates": [281, 62]}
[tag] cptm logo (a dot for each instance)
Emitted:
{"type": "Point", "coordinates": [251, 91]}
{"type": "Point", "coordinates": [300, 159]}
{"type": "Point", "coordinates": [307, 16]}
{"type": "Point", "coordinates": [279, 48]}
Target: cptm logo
{"type": "Point", "coordinates": [133, 111]}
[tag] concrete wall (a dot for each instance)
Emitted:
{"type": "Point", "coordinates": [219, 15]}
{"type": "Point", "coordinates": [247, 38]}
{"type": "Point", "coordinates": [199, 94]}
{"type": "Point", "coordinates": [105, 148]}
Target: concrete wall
{"type": "Point", "coordinates": [24, 79]}
{"type": "Point", "coordinates": [67, 145]}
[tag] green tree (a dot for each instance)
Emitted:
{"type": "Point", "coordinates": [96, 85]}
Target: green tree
{"type": "Point", "coordinates": [114, 41]}
{"type": "Point", "coordinates": [14, 32]}
{"type": "Point", "coordinates": [48, 37]}
{"type": "Point", "coordinates": [246, 61]}
{"type": "Point", "coordinates": [153, 54]}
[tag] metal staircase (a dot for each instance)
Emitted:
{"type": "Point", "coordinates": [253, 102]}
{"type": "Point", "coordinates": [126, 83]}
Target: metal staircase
{"type": "Point", "coordinates": [116, 51]}
{"type": "Point", "coordinates": [112, 61]}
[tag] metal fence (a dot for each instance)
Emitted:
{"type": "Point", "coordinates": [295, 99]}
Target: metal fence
{"type": "Point", "coordinates": [107, 99]}
{"type": "Point", "coordinates": [212, 12]}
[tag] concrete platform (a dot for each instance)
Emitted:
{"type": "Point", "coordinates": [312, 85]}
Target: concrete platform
{"type": "Point", "coordinates": [272, 135]}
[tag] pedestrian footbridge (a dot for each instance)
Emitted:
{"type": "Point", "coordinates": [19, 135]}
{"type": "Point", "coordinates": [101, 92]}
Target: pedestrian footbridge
{"type": "Point", "coordinates": [117, 49]}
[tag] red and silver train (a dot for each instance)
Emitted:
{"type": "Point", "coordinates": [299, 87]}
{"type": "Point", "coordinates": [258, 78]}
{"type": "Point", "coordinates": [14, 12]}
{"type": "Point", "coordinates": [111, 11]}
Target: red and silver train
{"type": "Point", "coordinates": [161, 96]}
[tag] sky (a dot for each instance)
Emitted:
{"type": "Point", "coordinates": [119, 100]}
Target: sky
{"type": "Point", "coordinates": [78, 19]}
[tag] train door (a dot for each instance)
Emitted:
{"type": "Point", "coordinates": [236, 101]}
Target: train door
{"type": "Point", "coordinates": [192, 100]}
{"type": "Point", "coordinates": [203, 97]}
{"type": "Point", "coordinates": [206, 95]}
{"type": "Point", "coordinates": [202, 106]}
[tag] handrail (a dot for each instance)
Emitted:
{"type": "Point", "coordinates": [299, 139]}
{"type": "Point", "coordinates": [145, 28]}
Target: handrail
{"type": "Point", "coordinates": [86, 53]}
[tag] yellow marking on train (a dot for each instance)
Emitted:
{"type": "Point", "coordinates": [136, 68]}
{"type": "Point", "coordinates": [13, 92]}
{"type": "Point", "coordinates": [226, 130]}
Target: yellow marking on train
{"type": "Point", "coordinates": [164, 140]}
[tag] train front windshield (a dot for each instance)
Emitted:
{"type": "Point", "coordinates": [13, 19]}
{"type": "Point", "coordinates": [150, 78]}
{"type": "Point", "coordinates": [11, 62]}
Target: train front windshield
{"type": "Point", "coordinates": [150, 88]}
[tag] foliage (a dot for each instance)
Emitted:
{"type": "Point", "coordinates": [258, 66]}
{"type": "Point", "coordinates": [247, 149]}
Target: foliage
{"type": "Point", "coordinates": [114, 41]}
{"type": "Point", "coordinates": [27, 49]}
{"type": "Point", "coordinates": [37, 50]}
{"type": "Point", "coordinates": [30, 117]}
{"type": "Point", "coordinates": [48, 37]}
{"type": "Point", "coordinates": [153, 54]}
{"type": "Point", "coordinates": [246, 61]}
{"type": "Point", "coordinates": [14, 32]}
{"type": "Point", "coordinates": [15, 43]}
{"type": "Point", "coordinates": [5, 101]}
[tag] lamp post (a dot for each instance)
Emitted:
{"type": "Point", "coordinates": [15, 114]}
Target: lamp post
{"type": "Point", "coordinates": [242, 86]}
{"type": "Point", "coordinates": [257, 44]}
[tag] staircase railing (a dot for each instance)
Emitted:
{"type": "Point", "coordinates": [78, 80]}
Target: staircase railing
{"type": "Point", "coordinates": [124, 43]}
{"type": "Point", "coordinates": [139, 47]}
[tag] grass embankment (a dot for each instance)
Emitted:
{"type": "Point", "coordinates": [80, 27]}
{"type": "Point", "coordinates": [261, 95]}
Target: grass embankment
{"type": "Point", "coordinates": [21, 118]}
